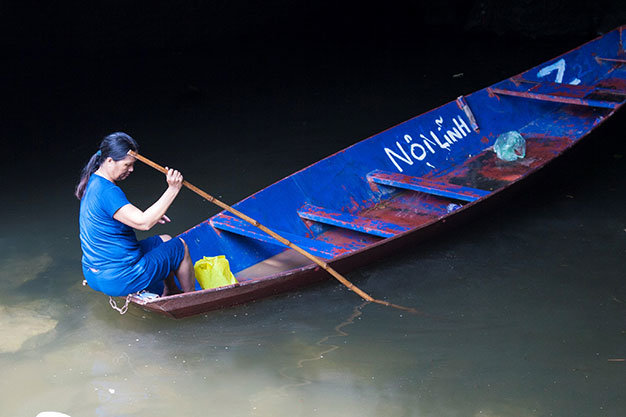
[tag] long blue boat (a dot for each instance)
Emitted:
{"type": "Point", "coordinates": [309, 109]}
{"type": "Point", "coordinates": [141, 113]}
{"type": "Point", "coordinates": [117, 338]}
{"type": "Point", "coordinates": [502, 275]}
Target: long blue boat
{"type": "Point", "coordinates": [408, 182]}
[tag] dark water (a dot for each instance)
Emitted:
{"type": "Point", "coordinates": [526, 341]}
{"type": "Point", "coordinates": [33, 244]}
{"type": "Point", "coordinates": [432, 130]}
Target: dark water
{"type": "Point", "coordinates": [525, 306]}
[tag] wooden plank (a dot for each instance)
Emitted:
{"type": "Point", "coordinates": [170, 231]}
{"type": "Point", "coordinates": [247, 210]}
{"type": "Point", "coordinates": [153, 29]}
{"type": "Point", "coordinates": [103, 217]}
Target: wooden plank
{"type": "Point", "coordinates": [424, 185]}
{"type": "Point", "coordinates": [235, 225]}
{"type": "Point", "coordinates": [560, 93]}
{"type": "Point", "coordinates": [284, 261]}
{"type": "Point", "coordinates": [349, 221]}
{"type": "Point", "coordinates": [616, 60]}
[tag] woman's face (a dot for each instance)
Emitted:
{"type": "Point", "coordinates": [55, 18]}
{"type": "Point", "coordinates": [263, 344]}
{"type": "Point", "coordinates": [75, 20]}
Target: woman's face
{"type": "Point", "coordinates": [120, 170]}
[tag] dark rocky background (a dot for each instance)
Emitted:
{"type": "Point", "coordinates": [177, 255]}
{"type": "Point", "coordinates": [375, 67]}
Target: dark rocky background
{"type": "Point", "coordinates": [73, 72]}
{"type": "Point", "coordinates": [127, 26]}
{"type": "Point", "coordinates": [120, 26]}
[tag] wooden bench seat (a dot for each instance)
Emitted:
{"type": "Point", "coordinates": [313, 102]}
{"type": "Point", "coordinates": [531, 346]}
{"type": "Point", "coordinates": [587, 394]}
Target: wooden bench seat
{"type": "Point", "coordinates": [427, 186]}
{"type": "Point", "coordinates": [240, 227]}
{"type": "Point", "coordinates": [582, 95]}
{"type": "Point", "coordinates": [349, 221]}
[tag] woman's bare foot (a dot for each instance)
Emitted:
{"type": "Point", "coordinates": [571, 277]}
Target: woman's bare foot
{"type": "Point", "coordinates": [170, 287]}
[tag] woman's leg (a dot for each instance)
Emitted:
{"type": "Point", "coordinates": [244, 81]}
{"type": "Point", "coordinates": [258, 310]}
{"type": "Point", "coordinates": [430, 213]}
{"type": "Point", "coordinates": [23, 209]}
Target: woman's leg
{"type": "Point", "coordinates": [170, 287]}
{"type": "Point", "coordinates": [185, 273]}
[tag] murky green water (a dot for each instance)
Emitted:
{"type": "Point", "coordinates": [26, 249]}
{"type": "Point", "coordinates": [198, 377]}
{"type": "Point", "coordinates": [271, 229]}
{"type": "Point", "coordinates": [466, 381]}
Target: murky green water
{"type": "Point", "coordinates": [525, 307]}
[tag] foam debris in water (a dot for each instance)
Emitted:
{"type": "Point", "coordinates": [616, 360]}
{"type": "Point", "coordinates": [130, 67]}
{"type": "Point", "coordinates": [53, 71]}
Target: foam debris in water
{"type": "Point", "coordinates": [51, 414]}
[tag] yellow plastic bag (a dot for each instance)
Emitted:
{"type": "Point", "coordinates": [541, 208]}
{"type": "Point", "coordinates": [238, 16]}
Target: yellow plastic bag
{"type": "Point", "coordinates": [213, 272]}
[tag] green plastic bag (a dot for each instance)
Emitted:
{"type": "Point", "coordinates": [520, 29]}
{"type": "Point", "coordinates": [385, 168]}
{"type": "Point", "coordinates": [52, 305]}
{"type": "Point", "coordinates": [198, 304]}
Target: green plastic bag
{"type": "Point", "coordinates": [213, 272]}
{"type": "Point", "coordinates": [510, 146]}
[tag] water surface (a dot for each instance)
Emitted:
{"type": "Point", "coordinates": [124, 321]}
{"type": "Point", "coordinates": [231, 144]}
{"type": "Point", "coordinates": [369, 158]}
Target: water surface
{"type": "Point", "coordinates": [524, 307]}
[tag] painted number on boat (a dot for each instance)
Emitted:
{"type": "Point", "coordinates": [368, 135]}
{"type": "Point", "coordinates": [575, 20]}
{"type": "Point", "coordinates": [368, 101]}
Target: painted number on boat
{"type": "Point", "coordinates": [559, 66]}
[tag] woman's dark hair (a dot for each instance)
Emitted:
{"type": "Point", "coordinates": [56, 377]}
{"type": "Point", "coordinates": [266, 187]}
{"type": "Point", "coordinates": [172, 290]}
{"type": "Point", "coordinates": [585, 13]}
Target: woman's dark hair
{"type": "Point", "coordinates": [116, 145]}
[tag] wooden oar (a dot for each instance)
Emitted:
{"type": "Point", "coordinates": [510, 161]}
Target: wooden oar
{"type": "Point", "coordinates": [281, 239]}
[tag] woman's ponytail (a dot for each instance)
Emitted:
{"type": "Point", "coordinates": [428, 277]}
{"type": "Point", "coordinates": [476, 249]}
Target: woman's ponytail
{"type": "Point", "coordinates": [116, 145]}
{"type": "Point", "coordinates": [91, 167]}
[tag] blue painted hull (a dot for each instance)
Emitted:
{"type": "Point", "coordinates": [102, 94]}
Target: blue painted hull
{"type": "Point", "coordinates": [408, 182]}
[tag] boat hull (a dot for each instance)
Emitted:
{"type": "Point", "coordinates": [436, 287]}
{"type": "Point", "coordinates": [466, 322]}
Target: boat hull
{"type": "Point", "coordinates": [409, 183]}
{"type": "Point", "coordinates": [203, 301]}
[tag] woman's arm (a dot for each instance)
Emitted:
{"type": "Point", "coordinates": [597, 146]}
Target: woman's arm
{"type": "Point", "coordinates": [145, 220]}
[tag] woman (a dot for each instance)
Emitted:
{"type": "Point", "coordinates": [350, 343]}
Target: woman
{"type": "Point", "coordinates": [114, 262]}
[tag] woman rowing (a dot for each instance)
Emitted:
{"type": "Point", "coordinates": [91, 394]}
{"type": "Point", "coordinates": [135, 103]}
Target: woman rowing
{"type": "Point", "coordinates": [114, 261]}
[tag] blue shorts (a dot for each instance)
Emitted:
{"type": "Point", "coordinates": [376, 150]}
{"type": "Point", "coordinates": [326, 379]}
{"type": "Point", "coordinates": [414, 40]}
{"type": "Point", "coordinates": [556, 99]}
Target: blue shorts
{"type": "Point", "coordinates": [160, 258]}
{"type": "Point", "coordinates": [158, 261]}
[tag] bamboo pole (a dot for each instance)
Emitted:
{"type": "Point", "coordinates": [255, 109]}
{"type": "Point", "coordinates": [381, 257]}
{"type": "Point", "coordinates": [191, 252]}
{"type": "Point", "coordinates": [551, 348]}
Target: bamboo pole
{"type": "Point", "coordinates": [276, 236]}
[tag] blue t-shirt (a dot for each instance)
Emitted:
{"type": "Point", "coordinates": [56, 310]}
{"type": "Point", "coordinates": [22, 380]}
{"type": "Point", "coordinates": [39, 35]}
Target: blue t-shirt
{"type": "Point", "coordinates": [111, 253]}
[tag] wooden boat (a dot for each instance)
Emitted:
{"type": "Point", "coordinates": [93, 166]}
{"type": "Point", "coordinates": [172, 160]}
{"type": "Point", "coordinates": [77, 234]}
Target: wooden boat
{"type": "Point", "coordinates": [408, 182]}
